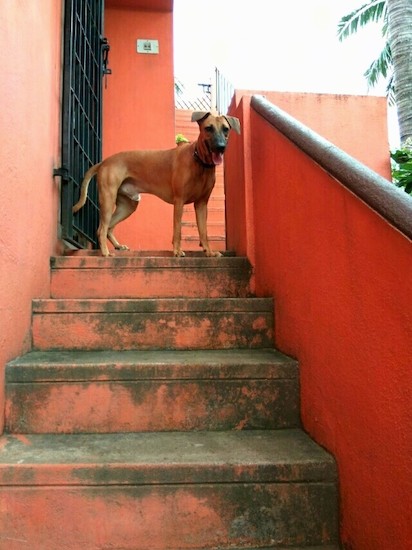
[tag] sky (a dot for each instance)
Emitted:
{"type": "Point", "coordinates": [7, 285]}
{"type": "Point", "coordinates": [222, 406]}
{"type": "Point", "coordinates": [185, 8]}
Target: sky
{"type": "Point", "coordinates": [275, 45]}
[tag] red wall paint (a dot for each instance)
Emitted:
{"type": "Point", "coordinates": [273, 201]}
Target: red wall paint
{"type": "Point", "coordinates": [151, 5]}
{"type": "Point", "coordinates": [238, 187]}
{"type": "Point", "coordinates": [331, 116]}
{"type": "Point", "coordinates": [139, 111]}
{"type": "Point", "coordinates": [355, 124]}
{"type": "Point", "coordinates": [29, 130]}
{"type": "Point", "coordinates": [341, 278]}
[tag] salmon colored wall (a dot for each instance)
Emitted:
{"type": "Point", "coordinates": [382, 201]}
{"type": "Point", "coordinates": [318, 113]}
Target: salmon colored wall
{"type": "Point", "coordinates": [29, 196]}
{"type": "Point", "coordinates": [139, 111]}
{"type": "Point", "coordinates": [355, 124]}
{"type": "Point", "coordinates": [340, 276]}
{"type": "Point", "coordinates": [238, 187]}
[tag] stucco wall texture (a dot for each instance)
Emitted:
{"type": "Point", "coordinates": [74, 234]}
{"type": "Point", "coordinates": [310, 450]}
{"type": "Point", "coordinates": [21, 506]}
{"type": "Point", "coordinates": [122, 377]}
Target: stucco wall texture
{"type": "Point", "coordinates": [29, 196]}
{"type": "Point", "coordinates": [340, 277]}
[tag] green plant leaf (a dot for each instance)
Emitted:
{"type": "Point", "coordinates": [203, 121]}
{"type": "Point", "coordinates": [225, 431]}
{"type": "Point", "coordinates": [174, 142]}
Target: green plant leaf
{"type": "Point", "coordinates": [401, 156]}
{"type": "Point", "coordinates": [402, 169]}
{"type": "Point", "coordinates": [349, 24]}
{"type": "Point", "coordinates": [379, 67]}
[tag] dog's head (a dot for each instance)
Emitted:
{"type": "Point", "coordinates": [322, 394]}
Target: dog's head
{"type": "Point", "coordinates": [214, 132]}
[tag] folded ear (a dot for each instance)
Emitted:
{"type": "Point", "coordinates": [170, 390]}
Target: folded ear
{"type": "Point", "coordinates": [234, 123]}
{"type": "Point", "coordinates": [197, 116]}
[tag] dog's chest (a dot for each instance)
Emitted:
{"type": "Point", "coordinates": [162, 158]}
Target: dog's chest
{"type": "Point", "coordinates": [200, 185]}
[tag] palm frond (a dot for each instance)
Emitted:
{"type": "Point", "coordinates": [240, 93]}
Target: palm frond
{"type": "Point", "coordinates": [385, 25]}
{"type": "Point", "coordinates": [373, 11]}
{"type": "Point", "coordinates": [380, 67]}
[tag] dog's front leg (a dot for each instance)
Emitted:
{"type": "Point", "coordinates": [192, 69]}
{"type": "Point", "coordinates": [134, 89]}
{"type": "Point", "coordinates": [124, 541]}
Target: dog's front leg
{"type": "Point", "coordinates": [177, 228]}
{"type": "Point", "coordinates": [201, 219]}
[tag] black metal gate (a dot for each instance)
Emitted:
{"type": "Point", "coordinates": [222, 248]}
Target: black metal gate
{"type": "Point", "coordinates": [85, 64]}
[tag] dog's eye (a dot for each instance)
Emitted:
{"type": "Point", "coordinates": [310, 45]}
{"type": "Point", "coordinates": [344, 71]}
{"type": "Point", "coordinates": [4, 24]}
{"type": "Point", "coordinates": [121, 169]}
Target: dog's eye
{"type": "Point", "coordinates": [226, 130]}
{"type": "Point", "coordinates": [210, 128]}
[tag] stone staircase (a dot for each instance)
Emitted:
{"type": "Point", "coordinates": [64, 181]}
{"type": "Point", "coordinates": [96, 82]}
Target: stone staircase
{"type": "Point", "coordinates": [153, 413]}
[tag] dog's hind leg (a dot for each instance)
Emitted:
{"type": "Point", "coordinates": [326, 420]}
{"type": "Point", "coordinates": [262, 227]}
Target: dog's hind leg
{"type": "Point", "coordinates": [107, 202]}
{"type": "Point", "coordinates": [125, 206]}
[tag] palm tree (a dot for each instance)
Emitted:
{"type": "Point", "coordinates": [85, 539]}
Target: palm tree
{"type": "Point", "coordinates": [399, 14]}
{"type": "Point", "coordinates": [395, 60]}
{"type": "Point", "coordinates": [374, 11]}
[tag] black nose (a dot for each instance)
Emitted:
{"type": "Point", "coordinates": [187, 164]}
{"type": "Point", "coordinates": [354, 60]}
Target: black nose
{"type": "Point", "coordinates": [220, 149]}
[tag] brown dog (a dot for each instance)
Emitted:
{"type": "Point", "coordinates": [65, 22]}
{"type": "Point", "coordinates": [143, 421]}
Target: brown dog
{"type": "Point", "coordinates": [178, 176]}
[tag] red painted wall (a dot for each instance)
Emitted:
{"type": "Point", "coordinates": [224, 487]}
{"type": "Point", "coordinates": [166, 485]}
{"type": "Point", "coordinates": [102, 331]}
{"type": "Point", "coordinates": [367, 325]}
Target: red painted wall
{"type": "Point", "coordinates": [239, 188]}
{"type": "Point", "coordinates": [356, 124]}
{"type": "Point", "coordinates": [340, 276]}
{"type": "Point", "coordinates": [139, 110]}
{"type": "Point", "coordinates": [29, 196]}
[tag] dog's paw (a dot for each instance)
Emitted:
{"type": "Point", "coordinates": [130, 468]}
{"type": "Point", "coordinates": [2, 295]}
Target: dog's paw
{"type": "Point", "coordinates": [213, 253]}
{"type": "Point", "coordinates": [178, 253]}
{"type": "Point", "coordinates": [122, 247]}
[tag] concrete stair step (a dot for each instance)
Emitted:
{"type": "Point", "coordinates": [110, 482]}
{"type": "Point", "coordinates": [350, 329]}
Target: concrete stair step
{"type": "Point", "coordinates": [216, 231]}
{"type": "Point", "coordinates": [80, 392]}
{"type": "Point", "coordinates": [129, 275]}
{"type": "Point", "coordinates": [153, 414]}
{"type": "Point", "coordinates": [323, 547]}
{"type": "Point", "coordinates": [124, 324]}
{"type": "Point", "coordinates": [192, 243]}
{"type": "Point", "coordinates": [171, 491]}
{"type": "Point", "coordinates": [215, 214]}
{"type": "Point", "coordinates": [217, 198]}
{"type": "Point", "coordinates": [213, 225]}
{"type": "Point", "coordinates": [189, 236]}
{"type": "Point", "coordinates": [216, 204]}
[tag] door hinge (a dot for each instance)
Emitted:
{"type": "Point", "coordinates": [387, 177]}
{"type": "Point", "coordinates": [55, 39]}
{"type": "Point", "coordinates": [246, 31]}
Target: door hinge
{"type": "Point", "coordinates": [105, 56]}
{"type": "Point", "coordinates": [62, 172]}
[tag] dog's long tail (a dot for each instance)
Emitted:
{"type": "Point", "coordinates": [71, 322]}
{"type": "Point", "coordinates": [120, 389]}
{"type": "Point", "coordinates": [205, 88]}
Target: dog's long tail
{"type": "Point", "coordinates": [85, 186]}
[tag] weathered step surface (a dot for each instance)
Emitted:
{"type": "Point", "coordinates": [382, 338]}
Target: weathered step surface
{"type": "Point", "coordinates": [215, 214]}
{"type": "Point", "coordinates": [134, 275]}
{"type": "Point", "coordinates": [174, 491]}
{"type": "Point", "coordinates": [106, 391]}
{"type": "Point", "coordinates": [216, 232]}
{"type": "Point", "coordinates": [124, 324]}
{"type": "Point", "coordinates": [323, 547]}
